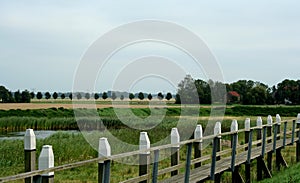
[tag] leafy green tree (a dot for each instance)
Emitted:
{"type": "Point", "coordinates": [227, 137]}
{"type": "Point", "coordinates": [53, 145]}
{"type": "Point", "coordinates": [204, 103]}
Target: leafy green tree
{"type": "Point", "coordinates": [78, 96]}
{"type": "Point", "coordinates": [63, 96]}
{"type": "Point", "coordinates": [54, 95]}
{"type": "Point", "coordinates": [187, 91]}
{"type": "Point", "coordinates": [104, 95]}
{"type": "Point", "coordinates": [47, 95]}
{"type": "Point", "coordinates": [160, 96]}
{"type": "Point", "coordinates": [169, 96]}
{"type": "Point", "coordinates": [39, 95]}
{"type": "Point", "coordinates": [113, 96]}
{"type": "Point", "coordinates": [71, 96]}
{"type": "Point", "coordinates": [32, 95]}
{"type": "Point", "coordinates": [96, 96]}
{"type": "Point", "coordinates": [87, 96]}
{"type": "Point", "coordinates": [131, 96]}
{"type": "Point", "coordinates": [122, 97]}
{"type": "Point", "coordinates": [141, 96]}
{"type": "Point", "coordinates": [18, 97]}
{"type": "Point", "coordinates": [4, 95]}
{"type": "Point", "coordinates": [25, 96]}
{"type": "Point", "coordinates": [149, 96]}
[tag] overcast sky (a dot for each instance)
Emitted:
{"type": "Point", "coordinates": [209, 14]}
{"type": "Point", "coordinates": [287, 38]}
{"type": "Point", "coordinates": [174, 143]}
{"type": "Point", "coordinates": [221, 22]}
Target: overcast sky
{"type": "Point", "coordinates": [43, 42]}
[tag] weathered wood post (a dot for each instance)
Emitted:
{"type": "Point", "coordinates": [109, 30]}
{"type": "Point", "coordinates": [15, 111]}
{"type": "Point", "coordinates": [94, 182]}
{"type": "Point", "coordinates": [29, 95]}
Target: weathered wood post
{"type": "Point", "coordinates": [278, 151]}
{"type": "Point", "coordinates": [248, 164]}
{"type": "Point", "coordinates": [216, 148]}
{"type": "Point", "coordinates": [46, 160]}
{"type": "Point", "coordinates": [234, 141]}
{"type": "Point", "coordinates": [104, 166]}
{"type": "Point", "coordinates": [298, 140]}
{"type": "Point", "coordinates": [175, 139]}
{"type": "Point", "coordinates": [269, 134]}
{"type": "Point", "coordinates": [259, 159]}
{"type": "Point", "coordinates": [198, 134]}
{"type": "Point", "coordinates": [144, 157]}
{"type": "Point", "coordinates": [30, 153]}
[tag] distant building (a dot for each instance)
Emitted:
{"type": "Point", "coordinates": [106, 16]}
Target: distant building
{"type": "Point", "coordinates": [233, 97]}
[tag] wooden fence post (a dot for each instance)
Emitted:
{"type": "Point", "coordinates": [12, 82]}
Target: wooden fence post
{"type": "Point", "coordinates": [198, 134]}
{"type": "Point", "coordinates": [234, 141]}
{"type": "Point", "coordinates": [278, 151]}
{"type": "Point", "coordinates": [298, 140]}
{"type": "Point", "coordinates": [104, 166]}
{"type": "Point", "coordinates": [46, 160]}
{"type": "Point", "coordinates": [175, 139]}
{"type": "Point", "coordinates": [30, 153]}
{"type": "Point", "coordinates": [216, 148]}
{"type": "Point", "coordinates": [259, 159]}
{"type": "Point", "coordinates": [269, 134]}
{"type": "Point", "coordinates": [248, 164]}
{"type": "Point", "coordinates": [144, 157]}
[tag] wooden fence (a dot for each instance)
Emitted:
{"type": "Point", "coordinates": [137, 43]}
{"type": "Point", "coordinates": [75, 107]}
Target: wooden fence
{"type": "Point", "coordinates": [225, 153]}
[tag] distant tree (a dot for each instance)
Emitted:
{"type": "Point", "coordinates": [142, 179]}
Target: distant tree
{"type": "Point", "coordinates": [177, 99]}
{"type": "Point", "coordinates": [113, 96]}
{"type": "Point", "coordinates": [87, 96]}
{"type": "Point", "coordinates": [122, 97]}
{"type": "Point", "coordinates": [187, 91]}
{"type": "Point", "coordinates": [96, 96]}
{"type": "Point", "coordinates": [25, 96]}
{"type": "Point", "coordinates": [63, 96]}
{"type": "Point", "coordinates": [131, 96]}
{"type": "Point", "coordinates": [55, 95]}
{"type": "Point", "coordinates": [32, 95]}
{"type": "Point", "coordinates": [149, 96]}
{"type": "Point", "coordinates": [104, 95]}
{"type": "Point", "coordinates": [18, 97]}
{"type": "Point", "coordinates": [169, 96]}
{"type": "Point", "coordinates": [47, 95]}
{"type": "Point", "coordinates": [78, 96]}
{"type": "Point", "coordinates": [141, 96]}
{"type": "Point", "coordinates": [160, 96]}
{"type": "Point", "coordinates": [4, 95]}
{"type": "Point", "coordinates": [39, 95]}
{"type": "Point", "coordinates": [70, 96]}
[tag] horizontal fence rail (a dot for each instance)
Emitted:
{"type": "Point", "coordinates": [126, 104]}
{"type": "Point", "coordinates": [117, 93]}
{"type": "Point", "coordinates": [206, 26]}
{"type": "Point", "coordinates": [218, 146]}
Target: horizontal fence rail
{"type": "Point", "coordinates": [260, 141]}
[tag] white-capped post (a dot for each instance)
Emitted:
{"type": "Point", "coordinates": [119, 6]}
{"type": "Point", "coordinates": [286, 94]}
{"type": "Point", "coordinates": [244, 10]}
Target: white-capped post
{"type": "Point", "coordinates": [46, 160]}
{"type": "Point", "coordinates": [278, 119]}
{"type": "Point", "coordinates": [234, 126]}
{"type": "Point", "coordinates": [175, 139]}
{"type": "Point", "coordinates": [144, 157]}
{"type": "Point", "coordinates": [217, 129]}
{"type": "Point", "coordinates": [104, 151]}
{"type": "Point", "coordinates": [298, 118]}
{"type": "Point", "coordinates": [259, 122]}
{"type": "Point", "coordinates": [198, 135]}
{"type": "Point", "coordinates": [247, 124]}
{"type": "Point", "coordinates": [30, 153]}
{"type": "Point", "coordinates": [269, 120]}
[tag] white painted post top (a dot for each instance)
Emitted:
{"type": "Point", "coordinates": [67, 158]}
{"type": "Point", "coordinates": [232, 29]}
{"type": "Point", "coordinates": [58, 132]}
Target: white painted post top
{"type": "Point", "coordinates": [29, 140]}
{"type": "Point", "coordinates": [217, 129]}
{"type": "Point", "coordinates": [198, 133]}
{"type": "Point", "coordinates": [278, 119]}
{"type": "Point", "coordinates": [259, 122]}
{"type": "Point", "coordinates": [247, 124]}
{"type": "Point", "coordinates": [298, 118]}
{"type": "Point", "coordinates": [175, 138]}
{"type": "Point", "coordinates": [46, 159]}
{"type": "Point", "coordinates": [234, 126]}
{"type": "Point", "coordinates": [144, 142]}
{"type": "Point", "coordinates": [269, 120]}
{"type": "Point", "coordinates": [104, 148]}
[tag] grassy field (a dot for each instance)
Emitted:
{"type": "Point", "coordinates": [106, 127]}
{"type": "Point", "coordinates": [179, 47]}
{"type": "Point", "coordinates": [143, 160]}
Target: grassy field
{"type": "Point", "coordinates": [73, 147]}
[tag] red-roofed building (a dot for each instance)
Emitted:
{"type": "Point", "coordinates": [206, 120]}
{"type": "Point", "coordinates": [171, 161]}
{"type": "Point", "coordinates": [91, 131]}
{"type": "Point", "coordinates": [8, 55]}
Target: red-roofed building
{"type": "Point", "coordinates": [233, 97]}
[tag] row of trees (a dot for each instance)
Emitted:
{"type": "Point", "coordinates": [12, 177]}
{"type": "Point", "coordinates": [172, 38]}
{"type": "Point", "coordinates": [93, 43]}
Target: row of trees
{"type": "Point", "coordinates": [9, 97]}
{"type": "Point", "coordinates": [250, 92]}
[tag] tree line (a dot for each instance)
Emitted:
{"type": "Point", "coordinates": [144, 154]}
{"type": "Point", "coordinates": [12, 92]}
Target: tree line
{"type": "Point", "coordinates": [249, 92]}
{"type": "Point", "coordinates": [190, 91]}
